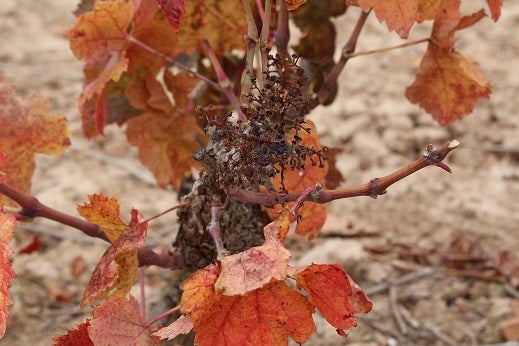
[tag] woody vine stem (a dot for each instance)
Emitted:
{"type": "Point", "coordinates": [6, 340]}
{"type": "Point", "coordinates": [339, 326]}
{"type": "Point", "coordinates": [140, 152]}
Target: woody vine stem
{"type": "Point", "coordinates": [31, 207]}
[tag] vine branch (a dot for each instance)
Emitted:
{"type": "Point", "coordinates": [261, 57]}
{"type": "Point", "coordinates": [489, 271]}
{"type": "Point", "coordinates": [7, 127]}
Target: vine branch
{"type": "Point", "coordinates": [373, 188]}
{"type": "Point", "coordinates": [347, 50]}
{"type": "Point", "coordinates": [32, 207]}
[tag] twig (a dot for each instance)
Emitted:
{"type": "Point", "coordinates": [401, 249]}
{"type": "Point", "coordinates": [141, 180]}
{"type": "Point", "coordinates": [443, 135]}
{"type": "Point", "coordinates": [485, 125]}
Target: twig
{"type": "Point", "coordinates": [214, 230]}
{"type": "Point", "coordinates": [386, 49]}
{"type": "Point", "coordinates": [282, 34]}
{"type": "Point", "coordinates": [396, 313]}
{"type": "Point", "coordinates": [440, 335]}
{"type": "Point", "coordinates": [380, 288]}
{"type": "Point", "coordinates": [173, 62]}
{"type": "Point", "coordinates": [372, 189]}
{"type": "Point", "coordinates": [348, 49]}
{"type": "Point", "coordinates": [163, 314]}
{"type": "Point", "coordinates": [223, 80]}
{"type": "Point", "coordinates": [32, 208]}
{"type": "Point", "coordinates": [181, 205]}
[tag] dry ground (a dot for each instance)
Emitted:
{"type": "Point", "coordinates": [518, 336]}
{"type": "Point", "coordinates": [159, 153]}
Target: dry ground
{"type": "Point", "coordinates": [409, 231]}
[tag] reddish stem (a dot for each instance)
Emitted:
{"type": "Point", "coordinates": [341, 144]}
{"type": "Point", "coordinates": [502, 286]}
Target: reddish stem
{"type": "Point", "coordinates": [374, 188]}
{"type": "Point", "coordinates": [32, 208]}
{"type": "Point", "coordinates": [347, 50]}
{"type": "Point", "coordinates": [223, 80]}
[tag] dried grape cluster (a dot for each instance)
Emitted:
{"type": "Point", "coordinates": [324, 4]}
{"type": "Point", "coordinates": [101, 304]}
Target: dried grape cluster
{"type": "Point", "coordinates": [247, 154]}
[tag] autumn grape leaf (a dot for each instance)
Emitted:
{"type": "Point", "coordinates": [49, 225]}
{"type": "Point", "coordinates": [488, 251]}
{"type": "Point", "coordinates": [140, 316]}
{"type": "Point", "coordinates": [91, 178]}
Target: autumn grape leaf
{"type": "Point", "coordinates": [104, 211]}
{"type": "Point", "coordinates": [255, 267]}
{"type": "Point", "coordinates": [401, 15]}
{"type": "Point", "coordinates": [447, 85]}
{"type": "Point", "coordinates": [266, 316]}
{"type": "Point", "coordinates": [173, 10]}
{"type": "Point", "coordinates": [27, 127]}
{"type": "Point", "coordinates": [118, 321]}
{"type": "Point", "coordinates": [6, 272]}
{"type": "Point", "coordinates": [182, 325]}
{"type": "Point", "coordinates": [312, 215]}
{"type": "Point", "coordinates": [334, 294]}
{"type": "Point", "coordinates": [100, 38]}
{"type": "Point", "coordinates": [116, 272]}
{"type": "Point", "coordinates": [166, 135]}
{"type": "Point", "coordinates": [75, 337]}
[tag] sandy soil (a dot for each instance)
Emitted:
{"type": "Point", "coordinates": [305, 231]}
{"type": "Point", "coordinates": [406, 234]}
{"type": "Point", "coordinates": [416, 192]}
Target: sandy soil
{"type": "Point", "coordinates": [410, 231]}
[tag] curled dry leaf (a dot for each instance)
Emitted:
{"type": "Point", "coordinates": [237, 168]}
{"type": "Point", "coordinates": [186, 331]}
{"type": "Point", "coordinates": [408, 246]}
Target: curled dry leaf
{"type": "Point", "coordinates": [332, 291]}
{"type": "Point", "coordinates": [254, 268]}
{"type": "Point", "coordinates": [116, 272]}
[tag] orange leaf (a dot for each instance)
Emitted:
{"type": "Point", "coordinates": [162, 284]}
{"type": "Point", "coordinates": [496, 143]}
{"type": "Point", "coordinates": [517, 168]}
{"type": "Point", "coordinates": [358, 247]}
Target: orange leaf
{"type": "Point", "coordinates": [266, 316]}
{"type": "Point", "coordinates": [166, 138]}
{"type": "Point", "coordinates": [495, 8]}
{"type": "Point", "coordinates": [334, 293]}
{"type": "Point", "coordinates": [28, 127]}
{"type": "Point", "coordinates": [6, 272]}
{"type": "Point", "coordinates": [222, 23]}
{"type": "Point", "coordinates": [447, 85]}
{"type": "Point", "coordinates": [75, 337]}
{"type": "Point", "coordinates": [104, 211]}
{"type": "Point", "coordinates": [293, 5]}
{"type": "Point", "coordinates": [100, 37]}
{"type": "Point", "coordinates": [119, 322]}
{"type": "Point", "coordinates": [116, 272]}
{"type": "Point", "coordinates": [313, 215]}
{"type": "Point", "coordinates": [182, 325]}
{"type": "Point", "coordinates": [173, 10]}
{"type": "Point", "coordinates": [400, 15]}
{"type": "Point", "coordinates": [255, 267]}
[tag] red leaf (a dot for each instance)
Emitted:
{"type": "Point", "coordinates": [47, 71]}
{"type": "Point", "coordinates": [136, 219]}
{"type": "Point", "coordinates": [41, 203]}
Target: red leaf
{"type": "Point", "coordinates": [334, 293]}
{"type": "Point", "coordinates": [173, 10]}
{"type": "Point", "coordinates": [182, 325]}
{"type": "Point", "coordinates": [116, 272]}
{"type": "Point", "coordinates": [6, 272]}
{"type": "Point", "coordinates": [119, 322]}
{"type": "Point", "coordinates": [447, 85]}
{"type": "Point", "coordinates": [75, 337]}
{"type": "Point", "coordinates": [495, 8]}
{"type": "Point", "coordinates": [33, 246]}
{"type": "Point", "coordinates": [28, 127]}
{"type": "Point", "coordinates": [266, 316]}
{"type": "Point", "coordinates": [255, 267]}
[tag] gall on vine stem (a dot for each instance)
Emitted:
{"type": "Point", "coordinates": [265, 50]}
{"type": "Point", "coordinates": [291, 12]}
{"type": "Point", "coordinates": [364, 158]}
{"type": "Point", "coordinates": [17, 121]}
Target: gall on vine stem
{"type": "Point", "coordinates": [374, 188]}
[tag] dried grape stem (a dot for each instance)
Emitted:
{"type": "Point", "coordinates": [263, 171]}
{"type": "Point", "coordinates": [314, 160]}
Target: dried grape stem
{"type": "Point", "coordinates": [32, 207]}
{"type": "Point", "coordinates": [374, 188]}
